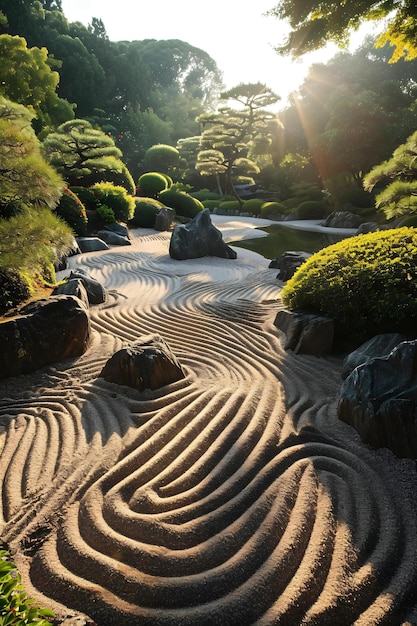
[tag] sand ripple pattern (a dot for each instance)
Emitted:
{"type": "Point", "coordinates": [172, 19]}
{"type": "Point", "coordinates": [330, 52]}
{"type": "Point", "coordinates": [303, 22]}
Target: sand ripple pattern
{"type": "Point", "coordinates": [234, 496]}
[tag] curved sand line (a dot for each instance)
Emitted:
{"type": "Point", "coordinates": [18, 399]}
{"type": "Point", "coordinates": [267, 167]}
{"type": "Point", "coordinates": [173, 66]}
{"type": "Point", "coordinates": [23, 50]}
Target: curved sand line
{"type": "Point", "coordinates": [234, 496]}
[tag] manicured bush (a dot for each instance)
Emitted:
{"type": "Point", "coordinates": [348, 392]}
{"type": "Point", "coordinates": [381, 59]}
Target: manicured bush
{"type": "Point", "coordinates": [273, 208]}
{"type": "Point", "coordinates": [14, 289]}
{"type": "Point", "coordinates": [152, 183]}
{"type": "Point", "coordinates": [210, 204]}
{"type": "Point", "coordinates": [86, 195]}
{"type": "Point", "coordinates": [366, 283]}
{"type": "Point", "coordinates": [72, 211]}
{"type": "Point", "coordinates": [146, 210]}
{"type": "Point", "coordinates": [184, 204]}
{"type": "Point", "coordinates": [313, 210]}
{"type": "Point", "coordinates": [106, 213]}
{"type": "Point", "coordinates": [253, 206]}
{"type": "Point", "coordinates": [354, 197]}
{"type": "Point", "coordinates": [117, 198]}
{"type": "Point", "coordinates": [229, 205]}
{"type": "Point", "coordinates": [205, 194]}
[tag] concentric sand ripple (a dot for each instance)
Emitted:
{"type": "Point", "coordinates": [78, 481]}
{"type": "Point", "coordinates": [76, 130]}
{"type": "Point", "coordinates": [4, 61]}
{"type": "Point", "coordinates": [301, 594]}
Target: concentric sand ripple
{"type": "Point", "coordinates": [232, 497]}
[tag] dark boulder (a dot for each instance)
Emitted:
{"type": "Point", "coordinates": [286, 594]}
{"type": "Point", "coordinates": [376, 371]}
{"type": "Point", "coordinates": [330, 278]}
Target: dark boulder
{"type": "Point", "coordinates": [91, 244]}
{"type": "Point", "coordinates": [379, 399]}
{"type": "Point", "coordinates": [45, 331]}
{"type": "Point", "coordinates": [148, 364]}
{"type": "Point", "coordinates": [119, 229]}
{"type": "Point", "coordinates": [342, 219]}
{"type": "Point", "coordinates": [199, 238]}
{"type": "Point", "coordinates": [378, 346]}
{"type": "Point", "coordinates": [288, 263]}
{"type": "Point", "coordinates": [96, 293]}
{"type": "Point", "coordinates": [306, 333]}
{"type": "Point", "coordinates": [113, 239]}
{"type": "Point", "coordinates": [164, 219]}
{"type": "Point", "coordinates": [73, 287]}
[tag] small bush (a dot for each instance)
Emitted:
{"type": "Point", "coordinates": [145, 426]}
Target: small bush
{"type": "Point", "coordinates": [210, 204]}
{"type": "Point", "coordinates": [14, 289]}
{"type": "Point", "coordinates": [16, 609]}
{"type": "Point", "coordinates": [152, 183]}
{"type": "Point", "coordinates": [117, 198]}
{"type": "Point", "coordinates": [184, 204]}
{"type": "Point", "coordinates": [230, 205]}
{"type": "Point", "coordinates": [72, 211]}
{"type": "Point", "coordinates": [354, 197]}
{"type": "Point", "coordinates": [205, 194]}
{"type": "Point", "coordinates": [273, 208]}
{"type": "Point", "coordinates": [146, 210]}
{"type": "Point", "coordinates": [313, 210]}
{"type": "Point", "coordinates": [86, 196]}
{"type": "Point", "coordinates": [366, 283]}
{"type": "Point", "coordinates": [253, 206]}
{"type": "Point", "coordinates": [106, 213]}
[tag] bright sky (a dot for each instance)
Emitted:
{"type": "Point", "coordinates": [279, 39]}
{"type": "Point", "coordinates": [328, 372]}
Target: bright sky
{"type": "Point", "coordinates": [240, 40]}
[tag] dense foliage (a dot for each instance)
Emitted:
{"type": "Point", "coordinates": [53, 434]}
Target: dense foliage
{"type": "Point", "coordinates": [72, 211]}
{"type": "Point", "coordinates": [367, 284]}
{"type": "Point", "coordinates": [116, 198]}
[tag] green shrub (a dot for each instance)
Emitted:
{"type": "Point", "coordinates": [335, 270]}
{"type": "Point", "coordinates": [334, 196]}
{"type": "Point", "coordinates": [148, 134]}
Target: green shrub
{"type": "Point", "coordinates": [253, 206]}
{"type": "Point", "coordinates": [72, 211]}
{"type": "Point", "coordinates": [117, 198]}
{"type": "Point", "coordinates": [184, 204]}
{"type": "Point", "coordinates": [205, 194]}
{"type": "Point", "coordinates": [210, 204]}
{"type": "Point", "coordinates": [123, 178]}
{"type": "Point", "coordinates": [354, 197]}
{"type": "Point", "coordinates": [86, 196]}
{"type": "Point", "coordinates": [229, 205]}
{"type": "Point", "coordinates": [32, 241]}
{"type": "Point", "coordinates": [152, 183]}
{"type": "Point", "coordinates": [273, 208]}
{"type": "Point", "coordinates": [366, 283]}
{"type": "Point", "coordinates": [313, 210]}
{"type": "Point", "coordinates": [14, 289]}
{"type": "Point", "coordinates": [106, 213]}
{"type": "Point", "coordinates": [16, 609]}
{"type": "Point", "coordinates": [146, 209]}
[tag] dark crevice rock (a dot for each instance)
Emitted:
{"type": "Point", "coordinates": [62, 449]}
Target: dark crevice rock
{"type": "Point", "coordinates": [197, 239]}
{"type": "Point", "coordinates": [288, 263]}
{"type": "Point", "coordinates": [306, 333]}
{"type": "Point", "coordinates": [148, 364]}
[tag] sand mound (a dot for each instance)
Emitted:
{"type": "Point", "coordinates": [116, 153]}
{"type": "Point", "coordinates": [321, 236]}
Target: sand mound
{"type": "Point", "coordinates": [234, 496]}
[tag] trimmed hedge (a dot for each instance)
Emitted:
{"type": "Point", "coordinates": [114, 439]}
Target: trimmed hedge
{"type": "Point", "coordinates": [72, 211]}
{"type": "Point", "coordinates": [152, 183]}
{"type": "Point", "coordinates": [253, 206]}
{"type": "Point", "coordinates": [184, 204]}
{"type": "Point", "coordinates": [313, 210]}
{"type": "Point", "coordinates": [117, 198]}
{"type": "Point", "coordinates": [366, 283]}
{"type": "Point", "coordinates": [273, 208]}
{"type": "Point", "coordinates": [146, 210]}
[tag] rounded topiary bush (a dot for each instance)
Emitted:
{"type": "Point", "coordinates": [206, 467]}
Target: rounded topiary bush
{"type": "Point", "coordinates": [229, 205]}
{"type": "Point", "coordinates": [253, 206]}
{"type": "Point", "coordinates": [146, 210]}
{"type": "Point", "coordinates": [273, 208]}
{"type": "Point", "coordinates": [313, 210]}
{"type": "Point", "coordinates": [117, 198]}
{"type": "Point", "coordinates": [183, 204]}
{"type": "Point", "coordinates": [210, 204]}
{"type": "Point", "coordinates": [205, 194]}
{"type": "Point", "coordinates": [72, 211]}
{"type": "Point", "coordinates": [152, 183]}
{"type": "Point", "coordinates": [366, 283]}
{"type": "Point", "coordinates": [14, 289]}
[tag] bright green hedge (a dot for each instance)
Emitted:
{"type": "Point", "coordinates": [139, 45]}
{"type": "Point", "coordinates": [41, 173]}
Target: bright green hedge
{"type": "Point", "coordinates": [152, 183]}
{"type": "Point", "coordinates": [184, 204]}
{"type": "Point", "coordinates": [117, 198]}
{"type": "Point", "coordinates": [366, 283]}
{"type": "Point", "coordinates": [146, 210]}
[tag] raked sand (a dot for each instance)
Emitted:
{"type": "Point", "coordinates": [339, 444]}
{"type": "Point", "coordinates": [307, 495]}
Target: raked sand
{"type": "Point", "coordinates": [232, 497]}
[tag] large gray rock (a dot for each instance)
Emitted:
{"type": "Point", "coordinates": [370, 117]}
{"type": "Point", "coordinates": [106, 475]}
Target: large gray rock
{"type": "Point", "coordinates": [96, 293]}
{"type": "Point", "coordinates": [45, 331]}
{"type": "Point", "coordinates": [306, 333]}
{"type": "Point", "coordinates": [288, 263]}
{"type": "Point", "coordinates": [379, 399]}
{"type": "Point", "coordinates": [116, 227]}
{"type": "Point", "coordinates": [113, 239]}
{"type": "Point", "coordinates": [148, 364]}
{"type": "Point", "coordinates": [91, 244]}
{"type": "Point", "coordinates": [73, 287]}
{"type": "Point", "coordinates": [378, 346]}
{"type": "Point", "coordinates": [164, 219]}
{"type": "Point", "coordinates": [199, 238]}
{"type": "Point", "coordinates": [342, 219]}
